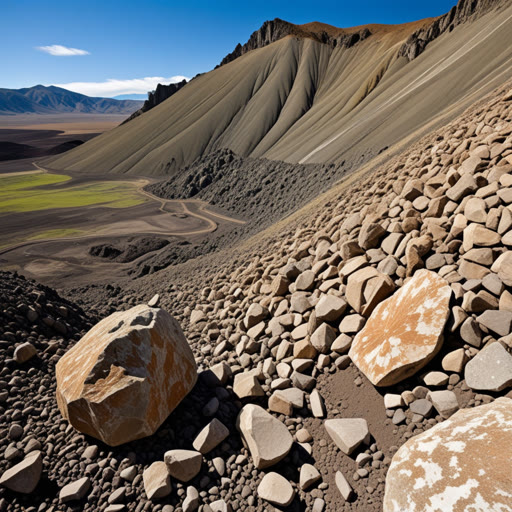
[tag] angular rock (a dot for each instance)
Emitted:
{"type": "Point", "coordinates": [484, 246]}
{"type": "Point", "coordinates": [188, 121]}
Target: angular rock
{"type": "Point", "coordinates": [317, 404]}
{"type": "Point", "coordinates": [157, 481]}
{"type": "Point", "coordinates": [126, 375]}
{"type": "Point", "coordinates": [24, 476]}
{"type": "Point", "coordinates": [475, 234]}
{"type": "Point", "coordinates": [370, 234]}
{"type": "Point", "coordinates": [268, 440]}
{"type": "Point", "coordinates": [499, 322]}
{"type": "Point", "coordinates": [308, 476]}
{"type": "Point", "coordinates": [458, 465]}
{"type": "Point", "coordinates": [255, 314]}
{"type": "Point", "coordinates": [464, 186]}
{"type": "Point", "coordinates": [329, 308]}
{"type": "Point", "coordinates": [503, 267]}
{"type": "Point", "coordinates": [366, 288]}
{"type": "Point", "coordinates": [183, 464]}
{"type": "Point", "coordinates": [490, 369]}
{"type": "Point", "coordinates": [343, 486]}
{"type": "Point", "coordinates": [75, 490]}
{"type": "Point", "coordinates": [445, 402]}
{"type": "Point", "coordinates": [404, 332]}
{"type": "Point", "coordinates": [454, 361]}
{"type": "Point", "coordinates": [211, 436]}
{"type": "Point", "coordinates": [275, 489]}
{"type": "Point", "coordinates": [247, 385]}
{"type": "Point", "coordinates": [191, 502]}
{"type": "Point", "coordinates": [323, 338]}
{"type": "Point", "coordinates": [422, 406]}
{"type": "Point", "coordinates": [348, 433]}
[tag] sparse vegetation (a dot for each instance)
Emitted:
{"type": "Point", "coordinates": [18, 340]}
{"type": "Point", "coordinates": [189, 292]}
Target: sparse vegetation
{"type": "Point", "coordinates": [38, 192]}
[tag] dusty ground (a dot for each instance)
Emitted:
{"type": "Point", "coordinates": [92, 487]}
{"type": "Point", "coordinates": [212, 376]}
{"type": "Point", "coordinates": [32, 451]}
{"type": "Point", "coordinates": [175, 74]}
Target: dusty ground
{"type": "Point", "coordinates": [65, 123]}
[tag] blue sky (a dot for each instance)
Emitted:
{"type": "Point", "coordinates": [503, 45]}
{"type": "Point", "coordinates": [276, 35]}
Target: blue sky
{"type": "Point", "coordinates": [129, 41]}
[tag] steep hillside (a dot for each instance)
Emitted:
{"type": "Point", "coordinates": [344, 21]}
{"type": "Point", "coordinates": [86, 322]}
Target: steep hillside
{"type": "Point", "coordinates": [283, 325]}
{"type": "Point", "coordinates": [301, 100]}
{"type": "Point", "coordinates": [55, 100]}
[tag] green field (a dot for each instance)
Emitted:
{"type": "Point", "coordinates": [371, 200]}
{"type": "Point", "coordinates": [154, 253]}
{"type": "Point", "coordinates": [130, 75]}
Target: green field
{"type": "Point", "coordinates": [37, 192]}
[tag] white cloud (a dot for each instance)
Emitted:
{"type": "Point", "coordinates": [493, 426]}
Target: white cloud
{"type": "Point", "coordinates": [61, 51]}
{"type": "Point", "coordinates": [113, 87]}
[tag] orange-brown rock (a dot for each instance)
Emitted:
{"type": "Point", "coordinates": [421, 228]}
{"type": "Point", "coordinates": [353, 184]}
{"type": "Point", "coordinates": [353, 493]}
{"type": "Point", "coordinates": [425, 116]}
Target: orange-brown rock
{"type": "Point", "coordinates": [404, 331]}
{"type": "Point", "coordinates": [458, 465]}
{"type": "Point", "coordinates": [126, 375]}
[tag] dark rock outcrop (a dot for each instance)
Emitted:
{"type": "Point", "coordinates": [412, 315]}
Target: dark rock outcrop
{"type": "Point", "coordinates": [161, 93]}
{"type": "Point", "coordinates": [460, 13]}
{"type": "Point", "coordinates": [274, 30]}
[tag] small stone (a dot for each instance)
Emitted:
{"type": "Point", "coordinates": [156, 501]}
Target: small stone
{"type": "Point", "coordinates": [317, 404]}
{"type": "Point", "coordinates": [309, 475]}
{"type": "Point", "coordinates": [183, 464]}
{"type": "Point", "coordinates": [275, 489]}
{"type": "Point", "coordinates": [24, 476]}
{"type": "Point", "coordinates": [499, 322]}
{"type": "Point", "coordinates": [157, 481]}
{"type": "Point", "coordinates": [454, 361]}
{"type": "Point", "coordinates": [343, 486]}
{"type": "Point", "coordinates": [268, 440]}
{"type": "Point", "coordinates": [445, 402]}
{"type": "Point", "coordinates": [348, 433]}
{"type": "Point", "coordinates": [191, 502]}
{"type": "Point", "coordinates": [435, 379]}
{"type": "Point", "coordinates": [247, 385]}
{"type": "Point", "coordinates": [24, 352]}
{"type": "Point", "coordinates": [75, 490]}
{"type": "Point", "coordinates": [329, 308]}
{"type": "Point", "coordinates": [423, 407]}
{"type": "Point", "coordinates": [392, 401]}
{"type": "Point", "coordinates": [211, 436]}
{"type": "Point", "coordinates": [490, 369]}
{"type": "Point", "coordinates": [323, 338]}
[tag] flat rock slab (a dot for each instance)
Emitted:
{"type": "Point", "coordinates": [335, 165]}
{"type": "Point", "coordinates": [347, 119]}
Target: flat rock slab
{"type": "Point", "coordinates": [458, 465]}
{"type": "Point", "coordinates": [404, 332]}
{"type": "Point", "coordinates": [268, 440]}
{"type": "Point", "coordinates": [490, 369]}
{"type": "Point", "coordinates": [126, 375]}
{"type": "Point", "coordinates": [348, 433]}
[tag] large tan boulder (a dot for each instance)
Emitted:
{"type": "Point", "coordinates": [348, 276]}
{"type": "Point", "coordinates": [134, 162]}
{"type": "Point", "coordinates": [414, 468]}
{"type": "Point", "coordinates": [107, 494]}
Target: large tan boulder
{"type": "Point", "coordinates": [126, 375]}
{"type": "Point", "coordinates": [404, 331]}
{"type": "Point", "coordinates": [460, 464]}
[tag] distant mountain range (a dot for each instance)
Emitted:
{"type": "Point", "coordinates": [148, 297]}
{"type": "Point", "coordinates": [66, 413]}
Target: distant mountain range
{"type": "Point", "coordinates": [55, 100]}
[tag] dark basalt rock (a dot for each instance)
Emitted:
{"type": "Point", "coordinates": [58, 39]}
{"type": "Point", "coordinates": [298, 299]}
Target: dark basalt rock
{"type": "Point", "coordinates": [160, 94]}
{"type": "Point", "coordinates": [462, 12]}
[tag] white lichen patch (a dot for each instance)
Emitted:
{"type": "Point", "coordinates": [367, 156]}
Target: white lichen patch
{"type": "Point", "coordinates": [462, 464]}
{"type": "Point", "coordinates": [404, 331]}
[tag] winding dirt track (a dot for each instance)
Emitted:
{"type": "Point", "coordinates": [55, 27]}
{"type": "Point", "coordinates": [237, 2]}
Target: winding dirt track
{"type": "Point", "coordinates": [201, 206]}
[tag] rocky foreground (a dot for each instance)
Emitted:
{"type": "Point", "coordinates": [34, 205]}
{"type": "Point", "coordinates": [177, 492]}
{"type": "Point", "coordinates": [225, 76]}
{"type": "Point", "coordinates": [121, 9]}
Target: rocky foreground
{"type": "Point", "coordinates": [361, 362]}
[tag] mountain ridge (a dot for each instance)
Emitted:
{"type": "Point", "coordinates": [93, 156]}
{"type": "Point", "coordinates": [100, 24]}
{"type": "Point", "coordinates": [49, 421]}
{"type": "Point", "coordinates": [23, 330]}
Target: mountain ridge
{"type": "Point", "coordinates": [41, 99]}
{"type": "Point", "coordinates": [302, 101]}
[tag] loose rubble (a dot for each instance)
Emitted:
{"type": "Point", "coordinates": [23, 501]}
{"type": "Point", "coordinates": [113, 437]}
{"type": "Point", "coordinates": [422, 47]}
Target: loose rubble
{"type": "Point", "coordinates": [276, 333]}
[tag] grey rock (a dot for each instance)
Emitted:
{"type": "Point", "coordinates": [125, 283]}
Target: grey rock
{"type": "Point", "coordinates": [490, 369]}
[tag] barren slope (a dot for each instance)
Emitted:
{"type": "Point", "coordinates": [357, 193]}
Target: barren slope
{"type": "Point", "coordinates": [300, 100]}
